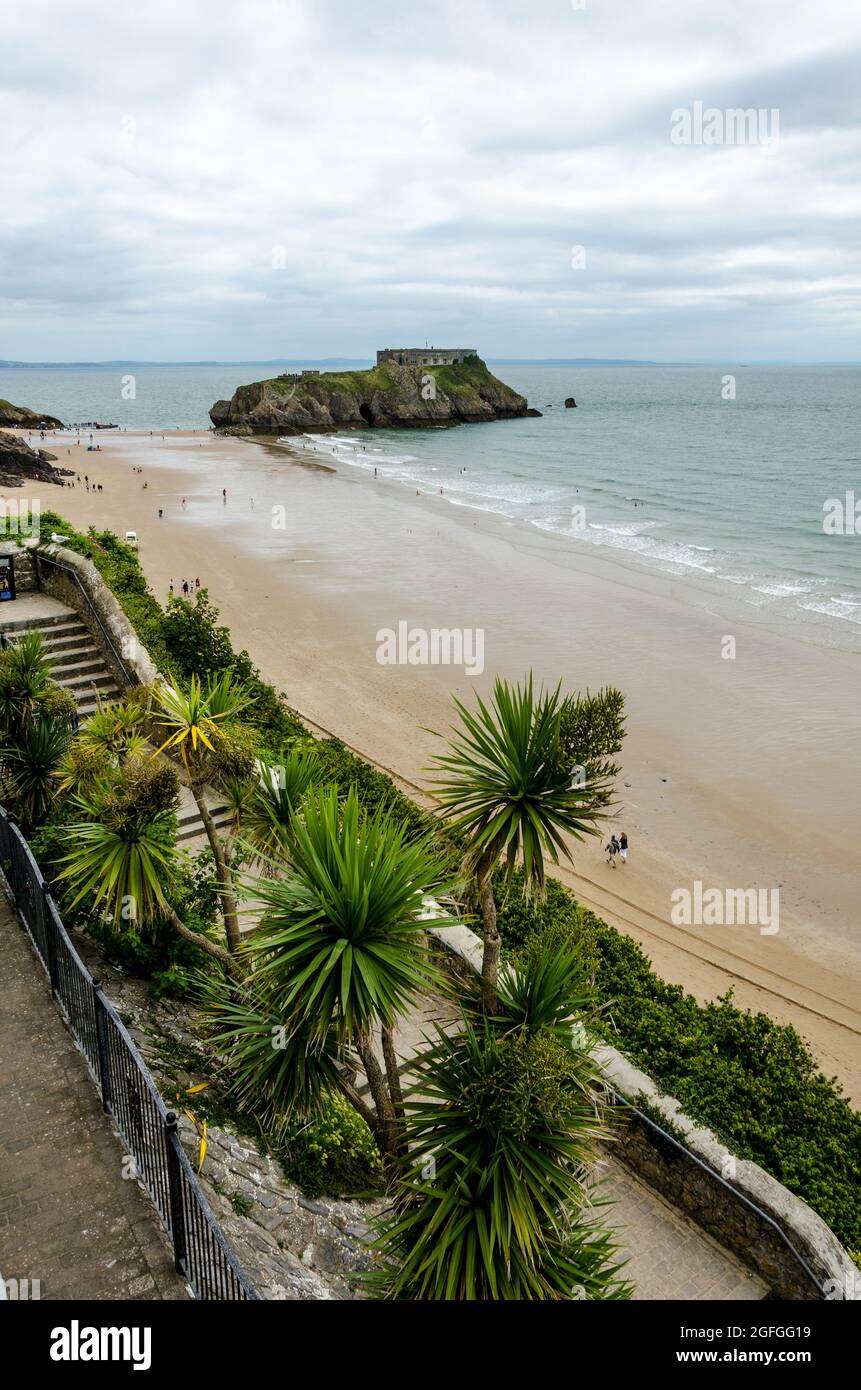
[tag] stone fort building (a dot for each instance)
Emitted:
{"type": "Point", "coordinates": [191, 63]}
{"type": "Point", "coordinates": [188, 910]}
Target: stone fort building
{"type": "Point", "coordinates": [424, 357]}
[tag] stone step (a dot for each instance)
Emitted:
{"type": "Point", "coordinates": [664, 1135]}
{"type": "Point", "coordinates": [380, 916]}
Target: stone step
{"type": "Point", "coordinates": [85, 682]}
{"type": "Point", "coordinates": [85, 652]}
{"type": "Point", "coordinates": [78, 664]}
{"type": "Point", "coordinates": [67, 642]}
{"type": "Point", "coordinates": [88, 704]}
{"type": "Point", "coordinates": [189, 822]}
{"type": "Point", "coordinates": [190, 812]}
{"type": "Point", "coordinates": [14, 626]}
{"type": "Point", "coordinates": [195, 830]}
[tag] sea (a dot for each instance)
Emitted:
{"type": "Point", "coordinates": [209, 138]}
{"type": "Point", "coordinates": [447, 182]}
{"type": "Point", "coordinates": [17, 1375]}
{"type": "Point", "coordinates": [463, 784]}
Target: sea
{"type": "Point", "coordinates": [739, 479]}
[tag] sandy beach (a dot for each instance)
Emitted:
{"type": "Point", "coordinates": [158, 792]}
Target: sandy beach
{"type": "Point", "coordinates": [738, 773]}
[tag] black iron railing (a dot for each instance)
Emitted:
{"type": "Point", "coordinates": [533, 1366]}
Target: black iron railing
{"type": "Point", "coordinates": [129, 1094]}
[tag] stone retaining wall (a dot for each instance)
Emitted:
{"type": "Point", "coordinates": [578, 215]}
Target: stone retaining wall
{"type": "Point", "coordinates": [25, 573]}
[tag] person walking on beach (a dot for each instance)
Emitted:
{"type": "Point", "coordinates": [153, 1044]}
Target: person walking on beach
{"type": "Point", "coordinates": [170, 590]}
{"type": "Point", "coordinates": [623, 847]}
{"type": "Point", "coordinates": [612, 851]}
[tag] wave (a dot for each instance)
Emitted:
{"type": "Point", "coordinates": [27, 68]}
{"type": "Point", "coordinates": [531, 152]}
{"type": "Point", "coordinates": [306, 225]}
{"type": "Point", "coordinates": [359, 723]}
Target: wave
{"type": "Point", "coordinates": [842, 606]}
{"type": "Point", "coordinates": [517, 490]}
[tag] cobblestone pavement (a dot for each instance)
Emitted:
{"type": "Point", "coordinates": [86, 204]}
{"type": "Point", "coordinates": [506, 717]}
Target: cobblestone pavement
{"type": "Point", "coordinates": [67, 1216]}
{"type": "Point", "coordinates": [669, 1256]}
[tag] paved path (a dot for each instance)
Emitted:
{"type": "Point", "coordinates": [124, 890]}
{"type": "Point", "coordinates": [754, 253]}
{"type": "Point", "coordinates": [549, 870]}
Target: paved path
{"type": "Point", "coordinates": [67, 1216]}
{"type": "Point", "coordinates": [669, 1256]}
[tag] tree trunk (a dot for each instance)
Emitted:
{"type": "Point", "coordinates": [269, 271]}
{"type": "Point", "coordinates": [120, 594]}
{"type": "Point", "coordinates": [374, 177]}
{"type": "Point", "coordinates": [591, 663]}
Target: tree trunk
{"type": "Point", "coordinates": [228, 899]}
{"type": "Point", "coordinates": [492, 945]}
{"type": "Point", "coordinates": [210, 947]}
{"type": "Point", "coordinates": [388, 1128]}
{"type": "Point", "coordinates": [393, 1077]}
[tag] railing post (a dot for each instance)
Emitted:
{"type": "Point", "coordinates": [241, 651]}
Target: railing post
{"type": "Point", "coordinates": [102, 1044]}
{"type": "Point", "coordinates": [174, 1183]}
{"type": "Point", "coordinates": [51, 943]}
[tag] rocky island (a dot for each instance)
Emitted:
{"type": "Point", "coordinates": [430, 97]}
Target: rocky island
{"type": "Point", "coordinates": [19, 417]}
{"type": "Point", "coordinates": [409, 388]}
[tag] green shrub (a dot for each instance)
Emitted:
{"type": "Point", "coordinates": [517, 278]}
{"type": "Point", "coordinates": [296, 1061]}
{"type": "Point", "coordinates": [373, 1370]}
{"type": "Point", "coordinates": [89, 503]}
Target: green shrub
{"type": "Point", "coordinates": [334, 1155]}
{"type": "Point", "coordinates": [151, 951]}
{"type": "Point", "coordinates": [337, 764]}
{"type": "Point", "coordinates": [558, 918]}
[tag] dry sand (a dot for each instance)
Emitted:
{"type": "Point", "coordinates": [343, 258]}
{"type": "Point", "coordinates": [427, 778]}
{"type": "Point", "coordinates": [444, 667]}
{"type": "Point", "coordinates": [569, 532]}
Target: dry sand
{"type": "Point", "coordinates": [740, 773]}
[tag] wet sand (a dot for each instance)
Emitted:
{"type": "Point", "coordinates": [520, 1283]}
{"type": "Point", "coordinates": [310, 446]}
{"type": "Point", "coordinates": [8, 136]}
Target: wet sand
{"type": "Point", "coordinates": [738, 773]}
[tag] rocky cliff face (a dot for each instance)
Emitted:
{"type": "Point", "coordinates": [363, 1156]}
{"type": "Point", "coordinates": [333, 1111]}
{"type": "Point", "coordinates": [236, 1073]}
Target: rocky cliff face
{"type": "Point", "coordinates": [388, 396]}
{"type": "Point", "coordinates": [18, 461]}
{"type": "Point", "coordinates": [18, 417]}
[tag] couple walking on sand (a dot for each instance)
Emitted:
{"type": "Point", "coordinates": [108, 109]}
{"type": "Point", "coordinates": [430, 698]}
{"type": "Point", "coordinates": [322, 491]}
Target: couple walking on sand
{"type": "Point", "coordinates": [617, 847]}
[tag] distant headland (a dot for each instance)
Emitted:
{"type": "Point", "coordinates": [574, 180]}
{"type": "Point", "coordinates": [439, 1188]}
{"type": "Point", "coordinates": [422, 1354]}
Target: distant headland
{"type": "Point", "coordinates": [409, 388]}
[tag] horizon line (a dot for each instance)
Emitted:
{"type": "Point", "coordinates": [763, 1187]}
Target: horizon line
{"type": "Point", "coordinates": [16, 364]}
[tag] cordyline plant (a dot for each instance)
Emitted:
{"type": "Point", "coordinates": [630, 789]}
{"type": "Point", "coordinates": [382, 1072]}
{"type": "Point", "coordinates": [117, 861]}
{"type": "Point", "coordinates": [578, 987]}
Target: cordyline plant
{"type": "Point", "coordinates": [266, 815]}
{"type": "Point", "coordinates": [340, 954]}
{"type": "Point", "coordinates": [123, 850]}
{"type": "Point", "coordinates": [194, 719]}
{"type": "Point", "coordinates": [502, 1126]}
{"type": "Point", "coordinates": [507, 788]}
{"type": "Point", "coordinates": [36, 721]}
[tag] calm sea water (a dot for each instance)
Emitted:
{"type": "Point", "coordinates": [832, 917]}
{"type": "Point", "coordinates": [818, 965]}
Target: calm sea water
{"type": "Point", "coordinates": [653, 463]}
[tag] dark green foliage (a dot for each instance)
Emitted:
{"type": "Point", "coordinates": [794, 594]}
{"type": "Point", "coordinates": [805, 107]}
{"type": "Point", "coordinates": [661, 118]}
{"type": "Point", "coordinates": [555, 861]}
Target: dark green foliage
{"type": "Point", "coordinates": [28, 759]}
{"type": "Point", "coordinates": [195, 644]}
{"type": "Point", "coordinates": [339, 766]}
{"type": "Point", "coordinates": [592, 728]}
{"type": "Point", "coordinates": [149, 950]}
{"type": "Point", "coordinates": [332, 1155]}
{"type": "Point", "coordinates": [502, 786]}
{"type": "Point", "coordinates": [528, 924]}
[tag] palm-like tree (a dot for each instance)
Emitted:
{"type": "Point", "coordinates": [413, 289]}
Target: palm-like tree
{"type": "Point", "coordinates": [506, 789]}
{"type": "Point", "coordinates": [123, 863]}
{"type": "Point", "coordinates": [340, 954]}
{"type": "Point", "coordinates": [266, 818]}
{"type": "Point", "coordinates": [29, 761]}
{"type": "Point", "coordinates": [115, 730]}
{"type": "Point", "coordinates": [195, 719]}
{"type": "Point", "coordinates": [502, 1126]}
{"type": "Point", "coordinates": [25, 679]}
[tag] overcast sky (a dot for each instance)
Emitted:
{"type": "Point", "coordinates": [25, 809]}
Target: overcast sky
{"type": "Point", "coordinates": [203, 179]}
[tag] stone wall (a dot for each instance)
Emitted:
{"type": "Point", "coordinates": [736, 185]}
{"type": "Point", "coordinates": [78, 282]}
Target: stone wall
{"type": "Point", "coordinates": [25, 571]}
{"type": "Point", "coordinates": [290, 1246]}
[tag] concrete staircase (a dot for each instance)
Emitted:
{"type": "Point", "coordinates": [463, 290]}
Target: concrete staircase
{"type": "Point", "coordinates": [77, 663]}
{"type": "Point", "coordinates": [191, 834]}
